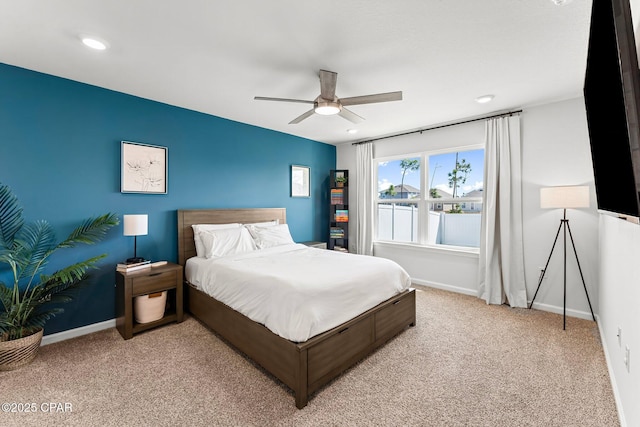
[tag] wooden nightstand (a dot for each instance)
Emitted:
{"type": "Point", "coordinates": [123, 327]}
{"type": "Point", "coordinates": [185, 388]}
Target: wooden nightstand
{"type": "Point", "coordinates": [319, 245]}
{"type": "Point", "coordinates": [167, 277]}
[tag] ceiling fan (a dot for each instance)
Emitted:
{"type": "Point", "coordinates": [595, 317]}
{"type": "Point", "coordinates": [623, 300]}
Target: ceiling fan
{"type": "Point", "coordinates": [327, 103]}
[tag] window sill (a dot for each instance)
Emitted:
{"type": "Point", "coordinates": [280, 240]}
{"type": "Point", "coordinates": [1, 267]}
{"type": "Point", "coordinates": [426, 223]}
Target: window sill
{"type": "Point", "coordinates": [440, 249]}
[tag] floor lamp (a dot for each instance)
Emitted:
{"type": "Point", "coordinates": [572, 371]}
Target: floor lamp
{"type": "Point", "coordinates": [569, 197]}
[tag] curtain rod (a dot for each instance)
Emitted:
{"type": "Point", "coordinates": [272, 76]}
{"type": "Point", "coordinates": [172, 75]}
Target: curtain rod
{"type": "Point", "coordinates": [509, 113]}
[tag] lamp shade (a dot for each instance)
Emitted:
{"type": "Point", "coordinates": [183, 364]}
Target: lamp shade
{"type": "Point", "coordinates": [568, 197]}
{"type": "Point", "coordinates": [135, 225]}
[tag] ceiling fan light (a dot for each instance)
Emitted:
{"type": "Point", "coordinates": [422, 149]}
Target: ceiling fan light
{"type": "Point", "coordinates": [327, 108]}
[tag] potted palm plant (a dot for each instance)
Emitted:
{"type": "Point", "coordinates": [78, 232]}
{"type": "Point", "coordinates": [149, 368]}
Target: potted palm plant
{"type": "Point", "coordinates": [28, 298]}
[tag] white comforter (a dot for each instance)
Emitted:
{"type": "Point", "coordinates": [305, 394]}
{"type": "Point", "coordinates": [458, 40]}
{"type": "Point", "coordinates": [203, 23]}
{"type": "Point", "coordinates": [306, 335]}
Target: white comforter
{"type": "Point", "coordinates": [297, 291]}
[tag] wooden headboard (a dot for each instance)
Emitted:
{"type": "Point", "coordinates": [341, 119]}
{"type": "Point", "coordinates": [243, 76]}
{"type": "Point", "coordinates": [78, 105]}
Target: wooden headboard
{"type": "Point", "coordinates": [186, 218]}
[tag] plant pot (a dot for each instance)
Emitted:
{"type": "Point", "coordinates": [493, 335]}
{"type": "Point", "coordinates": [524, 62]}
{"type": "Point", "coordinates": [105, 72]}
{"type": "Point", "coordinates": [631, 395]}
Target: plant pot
{"type": "Point", "coordinates": [339, 184]}
{"type": "Point", "coordinates": [17, 353]}
{"type": "Point", "coordinates": [149, 308]}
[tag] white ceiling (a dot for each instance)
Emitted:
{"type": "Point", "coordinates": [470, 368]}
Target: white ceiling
{"type": "Point", "coordinates": [214, 56]}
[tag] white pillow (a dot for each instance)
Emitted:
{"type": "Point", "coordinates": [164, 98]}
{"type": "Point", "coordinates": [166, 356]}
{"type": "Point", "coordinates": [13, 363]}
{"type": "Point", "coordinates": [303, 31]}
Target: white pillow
{"type": "Point", "coordinates": [274, 235]}
{"type": "Point", "coordinates": [199, 228]}
{"type": "Point", "coordinates": [226, 241]}
{"type": "Point", "coordinates": [251, 226]}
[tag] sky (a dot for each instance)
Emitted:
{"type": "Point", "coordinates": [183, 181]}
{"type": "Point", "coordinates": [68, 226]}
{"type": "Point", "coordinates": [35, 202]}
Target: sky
{"type": "Point", "coordinates": [439, 167]}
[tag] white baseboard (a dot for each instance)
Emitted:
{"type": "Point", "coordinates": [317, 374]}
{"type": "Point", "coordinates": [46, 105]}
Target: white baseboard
{"type": "Point", "coordinates": [445, 287]}
{"type": "Point", "coordinates": [77, 332]}
{"type": "Point", "coordinates": [538, 306]}
{"type": "Point", "coordinates": [612, 378]}
{"type": "Point", "coordinates": [558, 310]}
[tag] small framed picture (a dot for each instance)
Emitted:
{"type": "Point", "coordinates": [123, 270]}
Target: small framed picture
{"type": "Point", "coordinates": [300, 181]}
{"type": "Point", "coordinates": [143, 169]}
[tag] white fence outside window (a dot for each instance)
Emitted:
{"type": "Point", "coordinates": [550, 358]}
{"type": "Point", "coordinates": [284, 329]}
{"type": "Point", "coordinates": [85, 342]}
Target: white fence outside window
{"type": "Point", "coordinates": [400, 223]}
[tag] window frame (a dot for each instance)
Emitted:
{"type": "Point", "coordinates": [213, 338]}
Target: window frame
{"type": "Point", "coordinates": [425, 201]}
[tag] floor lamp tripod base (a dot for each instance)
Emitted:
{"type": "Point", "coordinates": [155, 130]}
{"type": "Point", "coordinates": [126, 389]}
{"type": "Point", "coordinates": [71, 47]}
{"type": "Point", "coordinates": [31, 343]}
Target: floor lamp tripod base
{"type": "Point", "coordinates": [564, 226]}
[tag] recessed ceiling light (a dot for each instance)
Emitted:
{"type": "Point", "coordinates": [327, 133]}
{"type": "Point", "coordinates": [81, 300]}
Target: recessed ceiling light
{"type": "Point", "coordinates": [484, 99]}
{"type": "Point", "coordinates": [560, 2]}
{"type": "Point", "coordinates": [94, 43]}
{"type": "Point", "coordinates": [352, 131]}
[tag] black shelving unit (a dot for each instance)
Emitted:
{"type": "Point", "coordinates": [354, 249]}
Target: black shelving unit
{"type": "Point", "coordinates": [339, 210]}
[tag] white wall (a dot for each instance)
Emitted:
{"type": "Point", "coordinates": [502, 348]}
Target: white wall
{"type": "Point", "coordinates": [555, 151]}
{"type": "Point", "coordinates": [455, 271]}
{"type": "Point", "coordinates": [620, 307]}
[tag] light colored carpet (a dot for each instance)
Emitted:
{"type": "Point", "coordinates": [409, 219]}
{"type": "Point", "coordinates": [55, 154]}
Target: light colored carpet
{"type": "Point", "coordinates": [465, 363]}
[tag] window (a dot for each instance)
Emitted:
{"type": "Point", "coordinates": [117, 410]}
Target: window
{"type": "Point", "coordinates": [399, 199]}
{"type": "Point", "coordinates": [431, 198]}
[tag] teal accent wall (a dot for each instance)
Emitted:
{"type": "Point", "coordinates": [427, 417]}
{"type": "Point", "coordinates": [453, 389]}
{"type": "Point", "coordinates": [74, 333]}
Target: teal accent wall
{"type": "Point", "coordinates": [60, 153]}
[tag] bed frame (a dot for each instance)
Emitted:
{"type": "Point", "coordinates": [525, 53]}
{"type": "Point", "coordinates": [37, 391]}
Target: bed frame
{"type": "Point", "coordinates": [303, 367]}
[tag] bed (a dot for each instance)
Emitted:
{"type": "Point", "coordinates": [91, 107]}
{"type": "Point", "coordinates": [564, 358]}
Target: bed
{"type": "Point", "coordinates": [306, 360]}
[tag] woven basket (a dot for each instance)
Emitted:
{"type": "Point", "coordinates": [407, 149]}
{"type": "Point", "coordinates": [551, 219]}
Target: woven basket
{"type": "Point", "coordinates": [17, 353]}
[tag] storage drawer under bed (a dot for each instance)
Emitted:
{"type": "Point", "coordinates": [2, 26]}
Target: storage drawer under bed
{"type": "Point", "coordinates": [350, 342]}
{"type": "Point", "coordinates": [399, 313]}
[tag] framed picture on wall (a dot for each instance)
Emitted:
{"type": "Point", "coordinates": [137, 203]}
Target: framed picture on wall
{"type": "Point", "coordinates": [143, 168]}
{"type": "Point", "coordinates": [300, 181]}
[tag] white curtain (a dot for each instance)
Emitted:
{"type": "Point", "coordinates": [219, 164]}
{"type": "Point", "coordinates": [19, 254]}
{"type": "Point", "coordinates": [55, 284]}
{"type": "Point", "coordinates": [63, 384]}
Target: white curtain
{"type": "Point", "coordinates": [364, 198]}
{"type": "Point", "coordinates": [501, 272]}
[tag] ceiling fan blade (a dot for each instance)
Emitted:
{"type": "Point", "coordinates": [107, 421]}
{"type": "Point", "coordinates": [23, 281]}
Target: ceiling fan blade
{"type": "Point", "coordinates": [266, 98]}
{"type": "Point", "coordinates": [328, 81]}
{"type": "Point", "coordinates": [302, 117]}
{"type": "Point", "coordinates": [371, 99]}
{"type": "Point", "coordinates": [350, 115]}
